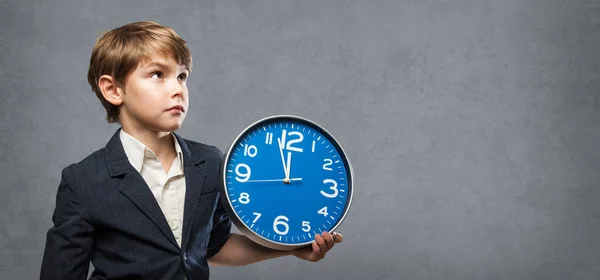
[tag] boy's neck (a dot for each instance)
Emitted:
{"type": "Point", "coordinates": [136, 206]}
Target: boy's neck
{"type": "Point", "coordinates": [161, 143]}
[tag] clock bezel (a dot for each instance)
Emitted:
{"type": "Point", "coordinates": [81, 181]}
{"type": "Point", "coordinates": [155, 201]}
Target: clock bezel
{"type": "Point", "coordinates": [241, 226]}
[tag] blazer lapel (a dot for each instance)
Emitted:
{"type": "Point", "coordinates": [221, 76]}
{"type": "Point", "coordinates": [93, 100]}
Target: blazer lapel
{"type": "Point", "coordinates": [135, 188]}
{"type": "Point", "coordinates": [195, 174]}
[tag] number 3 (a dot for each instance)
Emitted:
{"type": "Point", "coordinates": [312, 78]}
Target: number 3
{"type": "Point", "coordinates": [334, 188]}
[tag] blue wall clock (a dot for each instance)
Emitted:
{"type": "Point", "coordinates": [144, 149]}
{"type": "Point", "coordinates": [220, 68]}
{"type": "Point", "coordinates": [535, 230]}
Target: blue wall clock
{"type": "Point", "coordinates": [284, 180]}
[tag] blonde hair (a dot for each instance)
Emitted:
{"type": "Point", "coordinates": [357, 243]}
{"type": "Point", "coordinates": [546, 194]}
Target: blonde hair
{"type": "Point", "coordinates": [118, 52]}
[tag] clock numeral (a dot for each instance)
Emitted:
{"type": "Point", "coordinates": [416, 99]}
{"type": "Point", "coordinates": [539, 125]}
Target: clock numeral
{"type": "Point", "coordinates": [244, 198]}
{"type": "Point", "coordinates": [323, 211]}
{"type": "Point", "coordinates": [250, 150]}
{"type": "Point", "coordinates": [269, 139]}
{"type": "Point", "coordinates": [242, 177]}
{"type": "Point", "coordinates": [333, 187]}
{"type": "Point", "coordinates": [328, 162]}
{"type": "Point", "coordinates": [257, 216]}
{"type": "Point", "coordinates": [278, 222]}
{"type": "Point", "coordinates": [305, 226]}
{"type": "Point", "coordinates": [288, 145]}
{"type": "Point", "coordinates": [313, 146]}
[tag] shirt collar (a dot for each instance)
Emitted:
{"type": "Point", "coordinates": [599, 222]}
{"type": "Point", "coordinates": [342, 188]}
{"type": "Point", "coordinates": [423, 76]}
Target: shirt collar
{"type": "Point", "coordinates": [136, 151]}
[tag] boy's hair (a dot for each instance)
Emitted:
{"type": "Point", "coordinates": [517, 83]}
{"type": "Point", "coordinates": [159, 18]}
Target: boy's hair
{"type": "Point", "coordinates": [118, 52]}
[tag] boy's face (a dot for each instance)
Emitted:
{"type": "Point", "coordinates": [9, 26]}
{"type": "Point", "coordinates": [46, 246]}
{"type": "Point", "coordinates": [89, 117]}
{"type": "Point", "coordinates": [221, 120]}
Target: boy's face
{"type": "Point", "coordinates": [155, 95]}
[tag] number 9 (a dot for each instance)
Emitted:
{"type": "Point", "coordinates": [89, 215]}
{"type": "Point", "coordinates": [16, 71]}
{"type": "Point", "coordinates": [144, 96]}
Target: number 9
{"type": "Point", "coordinates": [242, 177]}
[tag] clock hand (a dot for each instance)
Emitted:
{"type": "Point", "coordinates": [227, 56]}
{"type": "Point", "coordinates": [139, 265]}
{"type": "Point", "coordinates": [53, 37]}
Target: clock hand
{"type": "Point", "coordinates": [273, 180]}
{"type": "Point", "coordinates": [289, 165]}
{"type": "Point", "coordinates": [282, 159]}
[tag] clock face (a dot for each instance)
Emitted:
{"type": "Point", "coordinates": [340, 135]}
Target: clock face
{"type": "Point", "coordinates": [286, 179]}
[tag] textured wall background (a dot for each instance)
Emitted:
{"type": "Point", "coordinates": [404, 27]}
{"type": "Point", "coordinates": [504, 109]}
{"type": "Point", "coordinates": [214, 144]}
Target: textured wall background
{"type": "Point", "coordinates": [473, 126]}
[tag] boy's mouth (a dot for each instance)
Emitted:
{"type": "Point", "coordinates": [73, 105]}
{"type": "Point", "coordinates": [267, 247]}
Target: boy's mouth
{"type": "Point", "coordinates": [177, 108]}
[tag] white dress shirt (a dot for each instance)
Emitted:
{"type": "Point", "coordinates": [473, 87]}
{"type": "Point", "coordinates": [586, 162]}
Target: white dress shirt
{"type": "Point", "coordinates": [168, 188]}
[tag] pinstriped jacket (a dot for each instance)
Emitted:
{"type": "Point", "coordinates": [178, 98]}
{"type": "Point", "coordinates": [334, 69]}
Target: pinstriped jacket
{"type": "Point", "coordinates": [105, 213]}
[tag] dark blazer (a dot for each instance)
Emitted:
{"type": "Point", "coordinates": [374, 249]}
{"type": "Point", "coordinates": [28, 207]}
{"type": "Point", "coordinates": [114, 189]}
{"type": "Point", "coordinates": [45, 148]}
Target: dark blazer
{"type": "Point", "coordinates": [105, 213]}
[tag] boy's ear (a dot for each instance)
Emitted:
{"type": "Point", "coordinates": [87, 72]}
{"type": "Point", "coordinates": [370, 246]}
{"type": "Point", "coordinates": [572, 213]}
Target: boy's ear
{"type": "Point", "coordinates": [110, 90]}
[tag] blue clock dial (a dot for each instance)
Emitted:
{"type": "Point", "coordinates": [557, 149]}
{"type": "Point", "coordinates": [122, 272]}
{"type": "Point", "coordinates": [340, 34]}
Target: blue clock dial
{"type": "Point", "coordinates": [286, 179]}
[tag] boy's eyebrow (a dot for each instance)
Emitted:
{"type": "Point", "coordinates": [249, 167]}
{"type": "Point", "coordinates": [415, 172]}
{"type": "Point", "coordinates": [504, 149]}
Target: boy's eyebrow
{"type": "Point", "coordinates": [155, 63]}
{"type": "Point", "coordinates": [159, 64]}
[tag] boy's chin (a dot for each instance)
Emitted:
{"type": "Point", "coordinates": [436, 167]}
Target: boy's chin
{"type": "Point", "coordinates": [168, 127]}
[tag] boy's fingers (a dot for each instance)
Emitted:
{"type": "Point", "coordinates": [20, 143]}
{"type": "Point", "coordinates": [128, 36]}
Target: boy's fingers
{"type": "Point", "coordinates": [337, 237]}
{"type": "Point", "coordinates": [322, 246]}
{"type": "Point", "coordinates": [315, 248]}
{"type": "Point", "coordinates": [328, 240]}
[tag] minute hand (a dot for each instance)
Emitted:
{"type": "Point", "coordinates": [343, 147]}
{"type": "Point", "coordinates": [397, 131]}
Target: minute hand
{"type": "Point", "coordinates": [285, 169]}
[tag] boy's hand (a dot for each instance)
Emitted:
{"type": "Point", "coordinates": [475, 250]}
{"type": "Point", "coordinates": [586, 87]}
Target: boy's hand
{"type": "Point", "coordinates": [322, 244]}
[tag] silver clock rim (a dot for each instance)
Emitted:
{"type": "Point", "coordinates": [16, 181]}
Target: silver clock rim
{"type": "Point", "coordinates": [229, 207]}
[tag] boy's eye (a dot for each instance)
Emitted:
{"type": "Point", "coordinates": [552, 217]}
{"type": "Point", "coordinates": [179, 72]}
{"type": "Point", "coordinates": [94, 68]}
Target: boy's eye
{"type": "Point", "coordinates": [158, 75]}
{"type": "Point", "coordinates": [183, 76]}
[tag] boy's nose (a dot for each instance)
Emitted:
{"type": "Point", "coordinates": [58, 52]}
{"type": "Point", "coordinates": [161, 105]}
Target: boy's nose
{"type": "Point", "coordinates": [176, 90]}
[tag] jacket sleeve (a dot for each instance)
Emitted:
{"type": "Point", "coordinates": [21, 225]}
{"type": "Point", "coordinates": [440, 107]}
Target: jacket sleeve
{"type": "Point", "coordinates": [69, 241]}
{"type": "Point", "coordinates": [221, 230]}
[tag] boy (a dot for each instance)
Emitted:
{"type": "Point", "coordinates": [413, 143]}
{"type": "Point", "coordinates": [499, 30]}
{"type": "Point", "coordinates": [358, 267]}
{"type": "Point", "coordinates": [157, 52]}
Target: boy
{"type": "Point", "coordinates": [147, 205]}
